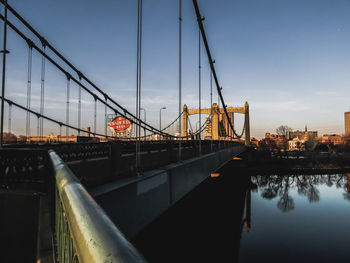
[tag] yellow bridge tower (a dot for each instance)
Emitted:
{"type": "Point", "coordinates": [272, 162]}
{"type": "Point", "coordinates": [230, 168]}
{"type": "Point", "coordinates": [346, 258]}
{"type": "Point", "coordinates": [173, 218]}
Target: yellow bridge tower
{"type": "Point", "coordinates": [220, 126]}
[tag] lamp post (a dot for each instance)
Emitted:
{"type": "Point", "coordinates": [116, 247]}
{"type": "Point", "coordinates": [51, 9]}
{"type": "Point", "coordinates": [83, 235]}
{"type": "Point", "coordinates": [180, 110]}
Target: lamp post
{"type": "Point", "coordinates": [160, 117]}
{"type": "Point", "coordinates": [198, 122]}
{"type": "Point", "coordinates": [144, 129]}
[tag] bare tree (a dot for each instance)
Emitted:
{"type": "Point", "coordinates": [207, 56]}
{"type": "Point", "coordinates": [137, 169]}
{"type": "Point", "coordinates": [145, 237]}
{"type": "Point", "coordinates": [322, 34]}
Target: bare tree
{"type": "Point", "coordinates": [283, 129]}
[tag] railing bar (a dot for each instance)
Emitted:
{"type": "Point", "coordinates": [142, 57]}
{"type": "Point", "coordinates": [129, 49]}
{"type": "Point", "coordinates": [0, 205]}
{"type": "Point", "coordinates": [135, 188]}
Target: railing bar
{"type": "Point", "coordinates": [77, 238]}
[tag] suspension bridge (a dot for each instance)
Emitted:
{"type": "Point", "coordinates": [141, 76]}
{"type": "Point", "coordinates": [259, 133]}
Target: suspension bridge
{"type": "Point", "coordinates": [84, 195]}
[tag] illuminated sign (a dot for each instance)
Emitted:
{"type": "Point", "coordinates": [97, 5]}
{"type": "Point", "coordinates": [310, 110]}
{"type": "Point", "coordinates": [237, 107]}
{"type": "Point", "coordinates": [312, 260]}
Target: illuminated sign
{"type": "Point", "coordinates": [120, 126]}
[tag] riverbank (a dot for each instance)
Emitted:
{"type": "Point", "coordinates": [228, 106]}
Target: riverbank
{"type": "Point", "coordinates": [292, 163]}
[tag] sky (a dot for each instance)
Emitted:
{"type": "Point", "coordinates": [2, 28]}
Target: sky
{"type": "Point", "coordinates": [289, 59]}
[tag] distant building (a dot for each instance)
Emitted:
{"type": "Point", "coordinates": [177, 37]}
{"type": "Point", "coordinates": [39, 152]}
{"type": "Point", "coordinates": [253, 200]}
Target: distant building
{"type": "Point", "coordinates": [274, 141]}
{"type": "Point", "coordinates": [52, 138]}
{"type": "Point", "coordinates": [332, 139]}
{"type": "Point", "coordinates": [296, 144]}
{"type": "Point", "coordinates": [302, 135]}
{"type": "Point", "coordinates": [57, 138]}
{"type": "Point", "coordinates": [254, 141]}
{"type": "Point", "coordinates": [347, 122]}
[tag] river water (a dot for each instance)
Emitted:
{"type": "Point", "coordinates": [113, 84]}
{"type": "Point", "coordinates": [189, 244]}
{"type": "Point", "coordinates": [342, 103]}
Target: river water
{"type": "Point", "coordinates": [255, 218]}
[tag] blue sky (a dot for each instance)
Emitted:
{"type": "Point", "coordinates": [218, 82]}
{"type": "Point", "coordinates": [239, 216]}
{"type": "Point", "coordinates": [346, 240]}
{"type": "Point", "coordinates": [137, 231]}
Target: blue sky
{"type": "Point", "coordinates": [289, 59]}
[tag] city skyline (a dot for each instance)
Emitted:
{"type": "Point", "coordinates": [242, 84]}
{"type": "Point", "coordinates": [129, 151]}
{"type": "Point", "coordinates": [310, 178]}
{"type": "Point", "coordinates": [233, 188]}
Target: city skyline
{"type": "Point", "coordinates": [288, 60]}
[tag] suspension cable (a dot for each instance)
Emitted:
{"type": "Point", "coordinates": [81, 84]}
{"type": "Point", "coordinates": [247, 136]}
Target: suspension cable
{"type": "Point", "coordinates": [211, 62]}
{"type": "Point", "coordinates": [50, 119]}
{"type": "Point", "coordinates": [81, 76]}
{"type": "Point", "coordinates": [143, 124]}
{"type": "Point", "coordinates": [126, 112]}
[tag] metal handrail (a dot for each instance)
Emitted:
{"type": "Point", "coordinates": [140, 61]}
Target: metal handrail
{"type": "Point", "coordinates": [95, 237]}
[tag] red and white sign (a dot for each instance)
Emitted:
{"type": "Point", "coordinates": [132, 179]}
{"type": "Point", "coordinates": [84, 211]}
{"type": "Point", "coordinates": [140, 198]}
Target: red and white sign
{"type": "Point", "coordinates": [120, 126]}
{"type": "Point", "coordinates": [119, 123]}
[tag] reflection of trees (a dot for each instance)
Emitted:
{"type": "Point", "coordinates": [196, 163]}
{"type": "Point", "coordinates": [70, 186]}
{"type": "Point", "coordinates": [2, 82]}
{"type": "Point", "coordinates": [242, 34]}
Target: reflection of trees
{"type": "Point", "coordinates": [286, 203]}
{"type": "Point", "coordinates": [306, 185]}
{"type": "Point", "coordinates": [346, 195]}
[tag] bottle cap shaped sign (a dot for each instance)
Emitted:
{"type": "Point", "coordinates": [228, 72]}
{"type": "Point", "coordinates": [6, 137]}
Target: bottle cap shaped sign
{"type": "Point", "coordinates": [120, 126]}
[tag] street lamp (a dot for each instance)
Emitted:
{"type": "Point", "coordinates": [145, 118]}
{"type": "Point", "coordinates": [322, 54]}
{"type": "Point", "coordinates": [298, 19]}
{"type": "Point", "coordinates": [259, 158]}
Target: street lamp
{"type": "Point", "coordinates": [160, 117]}
{"type": "Point", "coordinates": [144, 129]}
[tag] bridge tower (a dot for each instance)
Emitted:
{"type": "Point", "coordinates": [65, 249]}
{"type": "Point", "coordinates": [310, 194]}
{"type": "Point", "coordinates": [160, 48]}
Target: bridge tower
{"type": "Point", "coordinates": [219, 119]}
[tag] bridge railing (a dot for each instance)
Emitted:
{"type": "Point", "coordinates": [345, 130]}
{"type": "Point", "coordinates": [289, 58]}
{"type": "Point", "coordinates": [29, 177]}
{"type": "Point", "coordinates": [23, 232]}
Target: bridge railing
{"type": "Point", "coordinates": [83, 232]}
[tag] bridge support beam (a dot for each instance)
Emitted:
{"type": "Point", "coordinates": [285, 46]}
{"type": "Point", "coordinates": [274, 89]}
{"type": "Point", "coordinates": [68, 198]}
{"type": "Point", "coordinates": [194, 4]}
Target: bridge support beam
{"type": "Point", "coordinates": [134, 203]}
{"type": "Point", "coordinates": [247, 126]}
{"type": "Point", "coordinates": [218, 118]}
{"type": "Point", "coordinates": [215, 122]}
{"type": "Point", "coordinates": [184, 121]}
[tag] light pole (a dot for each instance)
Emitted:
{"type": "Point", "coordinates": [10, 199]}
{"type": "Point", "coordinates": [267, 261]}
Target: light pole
{"type": "Point", "coordinates": [144, 129]}
{"type": "Point", "coordinates": [198, 122]}
{"type": "Point", "coordinates": [160, 117]}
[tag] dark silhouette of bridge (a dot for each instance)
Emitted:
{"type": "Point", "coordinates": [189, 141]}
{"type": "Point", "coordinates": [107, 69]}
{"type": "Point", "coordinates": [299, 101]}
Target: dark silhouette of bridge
{"type": "Point", "coordinates": [134, 178]}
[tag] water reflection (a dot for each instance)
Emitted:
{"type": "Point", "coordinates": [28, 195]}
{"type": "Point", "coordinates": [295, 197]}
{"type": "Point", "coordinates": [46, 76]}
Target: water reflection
{"type": "Point", "coordinates": [244, 218]}
{"type": "Point", "coordinates": [276, 186]}
{"type": "Point", "coordinates": [318, 202]}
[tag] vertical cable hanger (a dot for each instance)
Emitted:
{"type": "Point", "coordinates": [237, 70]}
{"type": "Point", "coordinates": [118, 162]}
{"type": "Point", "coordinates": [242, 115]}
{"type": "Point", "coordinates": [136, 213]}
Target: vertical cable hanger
{"type": "Point", "coordinates": [42, 92]}
{"type": "Point", "coordinates": [10, 117]}
{"type": "Point", "coordinates": [29, 87]}
{"type": "Point", "coordinates": [180, 72]}
{"type": "Point", "coordinates": [138, 84]}
{"type": "Point", "coordinates": [38, 125]}
{"type": "Point", "coordinates": [95, 115]}
{"type": "Point", "coordinates": [60, 135]}
{"type": "Point", "coordinates": [105, 124]}
{"type": "Point", "coordinates": [4, 52]}
{"type": "Point", "coordinates": [211, 110]}
{"type": "Point", "coordinates": [199, 89]}
{"type": "Point", "coordinates": [67, 105]}
{"type": "Point", "coordinates": [79, 106]}
{"type": "Point", "coordinates": [140, 75]}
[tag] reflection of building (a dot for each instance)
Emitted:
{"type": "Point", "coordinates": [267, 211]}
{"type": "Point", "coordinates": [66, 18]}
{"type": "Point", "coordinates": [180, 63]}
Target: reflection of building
{"type": "Point", "coordinates": [348, 182]}
{"type": "Point", "coordinates": [347, 122]}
